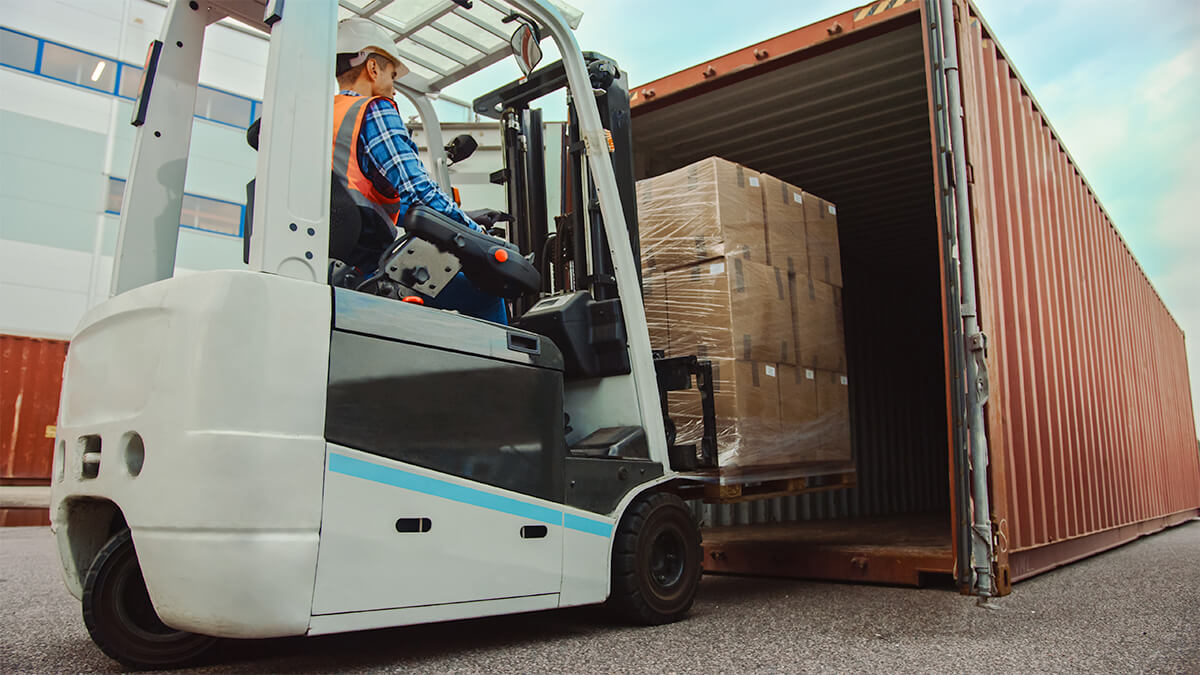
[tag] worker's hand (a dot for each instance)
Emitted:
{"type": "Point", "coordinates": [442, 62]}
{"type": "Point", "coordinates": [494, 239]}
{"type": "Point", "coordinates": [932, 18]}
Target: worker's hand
{"type": "Point", "coordinates": [488, 217]}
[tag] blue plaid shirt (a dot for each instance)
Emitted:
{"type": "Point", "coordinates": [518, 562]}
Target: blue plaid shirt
{"type": "Point", "coordinates": [388, 155]}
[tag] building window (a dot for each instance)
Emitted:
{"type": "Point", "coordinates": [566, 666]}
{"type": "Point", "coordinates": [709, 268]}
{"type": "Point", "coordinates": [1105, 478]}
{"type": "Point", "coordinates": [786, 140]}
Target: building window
{"type": "Point", "coordinates": [116, 196]}
{"type": "Point", "coordinates": [219, 106]}
{"type": "Point", "coordinates": [18, 51]}
{"type": "Point", "coordinates": [91, 71]}
{"type": "Point", "coordinates": [76, 67]}
{"type": "Point", "coordinates": [212, 215]}
{"type": "Point", "coordinates": [131, 77]}
{"type": "Point", "coordinates": [199, 213]}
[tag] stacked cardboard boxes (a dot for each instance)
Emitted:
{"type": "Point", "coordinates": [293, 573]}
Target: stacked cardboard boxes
{"type": "Point", "coordinates": [743, 269]}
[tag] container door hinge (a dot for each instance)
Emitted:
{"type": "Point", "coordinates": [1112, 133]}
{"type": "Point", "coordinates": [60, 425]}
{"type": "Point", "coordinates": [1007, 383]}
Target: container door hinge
{"type": "Point", "coordinates": [977, 345]}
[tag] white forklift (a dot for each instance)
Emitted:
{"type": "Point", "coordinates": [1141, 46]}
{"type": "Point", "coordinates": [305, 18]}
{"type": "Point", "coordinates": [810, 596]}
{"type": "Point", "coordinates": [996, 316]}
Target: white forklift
{"type": "Point", "coordinates": [291, 450]}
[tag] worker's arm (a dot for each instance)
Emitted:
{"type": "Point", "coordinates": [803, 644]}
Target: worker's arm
{"type": "Point", "coordinates": [391, 150]}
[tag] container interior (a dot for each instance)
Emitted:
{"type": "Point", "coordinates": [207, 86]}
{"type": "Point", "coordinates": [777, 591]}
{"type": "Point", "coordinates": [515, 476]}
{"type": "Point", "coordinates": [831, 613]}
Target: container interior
{"type": "Point", "coordinates": [848, 120]}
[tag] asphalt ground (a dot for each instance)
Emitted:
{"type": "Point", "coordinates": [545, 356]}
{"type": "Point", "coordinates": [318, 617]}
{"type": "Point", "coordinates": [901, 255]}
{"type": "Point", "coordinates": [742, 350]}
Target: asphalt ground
{"type": "Point", "coordinates": [1133, 609]}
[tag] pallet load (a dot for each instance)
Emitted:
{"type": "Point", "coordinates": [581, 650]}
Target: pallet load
{"type": "Point", "coordinates": [742, 269]}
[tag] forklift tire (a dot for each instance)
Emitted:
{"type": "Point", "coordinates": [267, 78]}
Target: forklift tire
{"type": "Point", "coordinates": [656, 562]}
{"type": "Point", "coordinates": [120, 617]}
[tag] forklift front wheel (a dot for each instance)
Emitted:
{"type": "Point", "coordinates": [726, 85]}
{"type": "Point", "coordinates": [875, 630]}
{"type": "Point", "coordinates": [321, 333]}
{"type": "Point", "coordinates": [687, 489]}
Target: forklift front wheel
{"type": "Point", "coordinates": [120, 617]}
{"type": "Point", "coordinates": [656, 561]}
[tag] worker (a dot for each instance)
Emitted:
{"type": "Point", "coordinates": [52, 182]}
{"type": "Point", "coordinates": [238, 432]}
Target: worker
{"type": "Point", "coordinates": [376, 159]}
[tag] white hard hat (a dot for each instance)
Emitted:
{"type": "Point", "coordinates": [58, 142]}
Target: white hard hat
{"type": "Point", "coordinates": [358, 36]}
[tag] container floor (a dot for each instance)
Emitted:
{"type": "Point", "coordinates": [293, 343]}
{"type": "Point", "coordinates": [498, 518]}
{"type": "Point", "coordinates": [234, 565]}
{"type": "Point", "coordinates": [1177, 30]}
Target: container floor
{"type": "Point", "coordinates": [911, 550]}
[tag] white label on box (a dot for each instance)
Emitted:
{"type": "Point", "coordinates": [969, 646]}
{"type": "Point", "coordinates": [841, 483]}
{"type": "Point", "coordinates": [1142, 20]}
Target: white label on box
{"type": "Point", "coordinates": [716, 268]}
{"type": "Point", "coordinates": [810, 374]}
{"type": "Point", "coordinates": [753, 181]}
{"type": "Point", "coordinates": [832, 210]}
{"type": "Point", "coordinates": [845, 381]}
{"type": "Point", "coordinates": [770, 370]}
{"type": "Point", "coordinates": [797, 198]}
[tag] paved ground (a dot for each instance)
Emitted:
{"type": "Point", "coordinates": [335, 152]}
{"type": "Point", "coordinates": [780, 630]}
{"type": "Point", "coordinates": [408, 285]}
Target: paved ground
{"type": "Point", "coordinates": [1133, 609]}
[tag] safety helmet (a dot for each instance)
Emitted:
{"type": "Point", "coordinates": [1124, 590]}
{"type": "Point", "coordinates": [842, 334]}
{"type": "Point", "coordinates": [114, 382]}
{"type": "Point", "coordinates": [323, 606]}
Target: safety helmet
{"type": "Point", "coordinates": [361, 36]}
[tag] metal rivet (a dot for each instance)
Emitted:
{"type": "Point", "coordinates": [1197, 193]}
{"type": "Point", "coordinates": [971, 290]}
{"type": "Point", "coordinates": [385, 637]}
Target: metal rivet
{"type": "Point", "coordinates": [761, 54]}
{"type": "Point", "coordinates": [311, 232]}
{"type": "Point", "coordinates": [293, 227]}
{"type": "Point", "coordinates": [178, 43]}
{"type": "Point", "coordinates": [308, 254]}
{"type": "Point", "coordinates": [158, 134]}
{"type": "Point", "coordinates": [194, 6]}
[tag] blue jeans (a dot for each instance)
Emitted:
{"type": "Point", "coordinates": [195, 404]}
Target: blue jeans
{"type": "Point", "coordinates": [461, 295]}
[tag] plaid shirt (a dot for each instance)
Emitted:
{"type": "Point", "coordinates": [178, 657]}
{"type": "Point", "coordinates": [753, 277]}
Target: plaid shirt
{"type": "Point", "coordinates": [387, 155]}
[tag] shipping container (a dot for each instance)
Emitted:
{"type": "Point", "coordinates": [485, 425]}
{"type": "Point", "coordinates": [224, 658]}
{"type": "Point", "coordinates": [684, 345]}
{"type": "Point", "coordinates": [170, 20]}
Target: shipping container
{"type": "Point", "coordinates": [30, 383]}
{"type": "Point", "coordinates": [1086, 408]}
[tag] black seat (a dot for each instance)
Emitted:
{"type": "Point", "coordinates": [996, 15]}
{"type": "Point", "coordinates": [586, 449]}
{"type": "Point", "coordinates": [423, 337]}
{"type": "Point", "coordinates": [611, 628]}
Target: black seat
{"type": "Point", "coordinates": [357, 235]}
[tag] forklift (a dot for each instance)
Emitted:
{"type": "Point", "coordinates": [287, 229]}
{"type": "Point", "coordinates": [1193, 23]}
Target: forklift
{"type": "Point", "coordinates": [295, 449]}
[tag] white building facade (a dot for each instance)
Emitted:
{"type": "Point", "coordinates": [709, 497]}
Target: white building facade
{"type": "Point", "coordinates": [69, 71]}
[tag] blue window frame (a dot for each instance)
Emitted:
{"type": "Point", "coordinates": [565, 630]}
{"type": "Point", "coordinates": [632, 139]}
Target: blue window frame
{"type": "Point", "coordinates": [206, 214]}
{"type": "Point", "coordinates": [94, 72]}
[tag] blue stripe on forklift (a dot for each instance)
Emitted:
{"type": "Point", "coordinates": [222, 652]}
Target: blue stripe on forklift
{"type": "Point", "coordinates": [587, 525]}
{"type": "Point", "coordinates": [387, 475]}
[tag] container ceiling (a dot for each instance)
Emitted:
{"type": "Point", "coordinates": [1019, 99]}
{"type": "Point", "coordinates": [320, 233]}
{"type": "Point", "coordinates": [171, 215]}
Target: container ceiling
{"type": "Point", "coordinates": [850, 125]}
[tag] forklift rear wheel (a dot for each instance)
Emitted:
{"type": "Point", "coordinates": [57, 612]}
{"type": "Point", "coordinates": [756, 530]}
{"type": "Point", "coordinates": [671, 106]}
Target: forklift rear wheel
{"type": "Point", "coordinates": [656, 561]}
{"type": "Point", "coordinates": [120, 617]}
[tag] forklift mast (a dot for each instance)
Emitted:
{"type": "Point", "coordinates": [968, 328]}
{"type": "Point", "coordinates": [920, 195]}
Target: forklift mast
{"type": "Point", "coordinates": [579, 242]}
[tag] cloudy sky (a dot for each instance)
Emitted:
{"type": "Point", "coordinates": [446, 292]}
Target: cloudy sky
{"type": "Point", "coordinates": [1119, 80]}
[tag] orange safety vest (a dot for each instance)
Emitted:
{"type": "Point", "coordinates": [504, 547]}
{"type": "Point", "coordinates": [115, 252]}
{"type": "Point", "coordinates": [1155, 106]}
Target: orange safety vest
{"type": "Point", "coordinates": [348, 114]}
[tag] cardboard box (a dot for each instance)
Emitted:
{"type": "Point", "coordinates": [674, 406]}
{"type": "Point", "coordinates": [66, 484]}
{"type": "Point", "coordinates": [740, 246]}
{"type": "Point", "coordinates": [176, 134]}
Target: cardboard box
{"type": "Point", "coordinates": [833, 406]}
{"type": "Point", "coordinates": [704, 210]}
{"type": "Point", "coordinates": [814, 415]}
{"type": "Point", "coordinates": [824, 254]}
{"type": "Point", "coordinates": [654, 297]}
{"type": "Point", "coordinates": [746, 403]}
{"type": "Point", "coordinates": [783, 213]}
{"type": "Point", "coordinates": [730, 308]}
{"type": "Point", "coordinates": [817, 323]}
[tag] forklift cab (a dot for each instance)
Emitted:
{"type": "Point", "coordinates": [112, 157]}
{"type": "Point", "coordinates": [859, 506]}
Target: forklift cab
{"type": "Point", "coordinates": [260, 452]}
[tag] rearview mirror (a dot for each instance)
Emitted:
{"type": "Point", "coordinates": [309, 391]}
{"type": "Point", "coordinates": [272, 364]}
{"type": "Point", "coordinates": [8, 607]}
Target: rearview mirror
{"type": "Point", "coordinates": [525, 47]}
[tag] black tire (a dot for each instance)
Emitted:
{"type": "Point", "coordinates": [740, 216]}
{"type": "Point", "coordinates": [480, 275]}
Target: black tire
{"type": "Point", "coordinates": [656, 562]}
{"type": "Point", "coordinates": [120, 617]}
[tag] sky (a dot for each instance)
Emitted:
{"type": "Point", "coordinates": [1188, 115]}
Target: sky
{"type": "Point", "coordinates": [1119, 80]}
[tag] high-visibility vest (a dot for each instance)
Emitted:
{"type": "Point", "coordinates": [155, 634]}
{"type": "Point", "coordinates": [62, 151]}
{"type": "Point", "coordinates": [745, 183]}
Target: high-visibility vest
{"type": "Point", "coordinates": [348, 114]}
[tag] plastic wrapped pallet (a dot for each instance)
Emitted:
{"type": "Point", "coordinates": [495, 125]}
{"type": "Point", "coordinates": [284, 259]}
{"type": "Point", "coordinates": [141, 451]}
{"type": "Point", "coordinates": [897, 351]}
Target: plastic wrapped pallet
{"type": "Point", "coordinates": [705, 210]}
{"type": "Point", "coordinates": [746, 403]}
{"type": "Point", "coordinates": [654, 298]}
{"type": "Point", "coordinates": [814, 414]}
{"type": "Point", "coordinates": [773, 421]}
{"type": "Point", "coordinates": [817, 330]}
{"type": "Point", "coordinates": [821, 236]}
{"type": "Point", "coordinates": [783, 214]}
{"type": "Point", "coordinates": [773, 333]}
{"type": "Point", "coordinates": [729, 308]}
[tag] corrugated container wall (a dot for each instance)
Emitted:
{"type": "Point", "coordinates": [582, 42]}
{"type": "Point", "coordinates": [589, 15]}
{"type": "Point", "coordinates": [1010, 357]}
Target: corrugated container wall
{"type": "Point", "coordinates": [30, 380]}
{"type": "Point", "coordinates": [1090, 416]}
{"type": "Point", "coordinates": [1090, 427]}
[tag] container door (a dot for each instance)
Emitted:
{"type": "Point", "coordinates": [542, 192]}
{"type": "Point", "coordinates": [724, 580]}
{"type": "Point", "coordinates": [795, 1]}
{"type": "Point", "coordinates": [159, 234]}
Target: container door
{"type": "Point", "coordinates": [958, 284]}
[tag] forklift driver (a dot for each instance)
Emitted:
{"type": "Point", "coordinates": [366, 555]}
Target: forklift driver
{"type": "Point", "coordinates": [375, 158]}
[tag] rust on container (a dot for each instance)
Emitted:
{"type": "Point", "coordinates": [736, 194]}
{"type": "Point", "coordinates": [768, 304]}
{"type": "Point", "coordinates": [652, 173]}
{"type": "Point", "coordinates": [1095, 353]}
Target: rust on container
{"type": "Point", "coordinates": [1089, 421]}
{"type": "Point", "coordinates": [30, 384]}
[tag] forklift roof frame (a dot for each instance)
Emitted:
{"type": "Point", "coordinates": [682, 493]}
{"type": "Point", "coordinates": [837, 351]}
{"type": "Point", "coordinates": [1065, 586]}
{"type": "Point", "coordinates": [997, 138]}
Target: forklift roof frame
{"type": "Point", "coordinates": [291, 207]}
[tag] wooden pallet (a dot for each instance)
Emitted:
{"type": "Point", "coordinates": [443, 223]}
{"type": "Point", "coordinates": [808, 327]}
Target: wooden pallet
{"type": "Point", "coordinates": [716, 493]}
